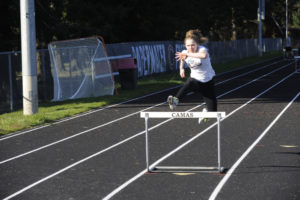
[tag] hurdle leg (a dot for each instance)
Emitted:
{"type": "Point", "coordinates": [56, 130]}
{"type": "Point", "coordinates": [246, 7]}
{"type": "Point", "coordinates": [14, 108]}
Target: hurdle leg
{"type": "Point", "coordinates": [219, 142]}
{"type": "Point", "coordinates": [147, 141]}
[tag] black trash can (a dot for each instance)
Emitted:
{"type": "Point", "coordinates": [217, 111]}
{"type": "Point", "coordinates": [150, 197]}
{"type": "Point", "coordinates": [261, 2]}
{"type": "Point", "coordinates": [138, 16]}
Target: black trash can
{"type": "Point", "coordinates": [128, 73]}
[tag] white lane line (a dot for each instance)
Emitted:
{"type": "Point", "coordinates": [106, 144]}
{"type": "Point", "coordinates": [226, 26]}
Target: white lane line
{"type": "Point", "coordinates": [255, 80]}
{"type": "Point", "coordinates": [117, 144]}
{"type": "Point", "coordinates": [184, 144]}
{"type": "Point", "coordinates": [121, 187]}
{"type": "Point", "coordinates": [70, 137]}
{"type": "Point", "coordinates": [114, 105]}
{"type": "Point", "coordinates": [11, 135]}
{"type": "Point", "coordinates": [237, 163]}
{"type": "Point", "coordinates": [78, 134]}
{"type": "Point", "coordinates": [84, 114]}
{"type": "Point", "coordinates": [83, 160]}
{"type": "Point", "coordinates": [257, 63]}
{"type": "Point", "coordinates": [243, 74]}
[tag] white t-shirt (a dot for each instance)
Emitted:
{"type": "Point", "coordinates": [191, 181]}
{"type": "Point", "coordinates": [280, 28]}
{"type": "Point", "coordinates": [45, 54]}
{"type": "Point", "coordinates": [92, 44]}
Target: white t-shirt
{"type": "Point", "coordinates": [201, 69]}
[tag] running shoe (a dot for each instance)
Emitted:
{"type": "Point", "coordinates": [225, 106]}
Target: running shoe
{"type": "Point", "coordinates": [173, 101]}
{"type": "Point", "coordinates": [203, 119]}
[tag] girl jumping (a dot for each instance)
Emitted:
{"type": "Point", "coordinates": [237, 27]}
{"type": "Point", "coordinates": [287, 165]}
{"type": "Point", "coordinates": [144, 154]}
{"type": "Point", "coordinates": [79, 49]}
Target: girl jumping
{"type": "Point", "coordinates": [202, 74]}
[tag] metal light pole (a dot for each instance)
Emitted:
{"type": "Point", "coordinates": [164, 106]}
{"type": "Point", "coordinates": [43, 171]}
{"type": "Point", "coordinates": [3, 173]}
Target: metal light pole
{"type": "Point", "coordinates": [286, 19]}
{"type": "Point", "coordinates": [29, 67]}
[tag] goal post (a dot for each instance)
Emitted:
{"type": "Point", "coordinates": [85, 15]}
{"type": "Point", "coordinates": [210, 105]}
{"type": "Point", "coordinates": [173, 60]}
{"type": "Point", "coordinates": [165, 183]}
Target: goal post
{"type": "Point", "coordinates": [216, 115]}
{"type": "Point", "coordinates": [81, 68]}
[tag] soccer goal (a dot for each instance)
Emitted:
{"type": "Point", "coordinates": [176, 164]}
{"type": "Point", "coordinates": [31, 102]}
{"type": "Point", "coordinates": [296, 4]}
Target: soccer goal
{"type": "Point", "coordinates": [205, 169]}
{"type": "Point", "coordinates": [80, 69]}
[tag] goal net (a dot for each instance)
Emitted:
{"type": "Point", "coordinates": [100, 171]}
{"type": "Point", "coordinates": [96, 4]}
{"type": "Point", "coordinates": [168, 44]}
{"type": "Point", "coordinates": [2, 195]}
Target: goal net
{"type": "Point", "coordinates": [80, 69]}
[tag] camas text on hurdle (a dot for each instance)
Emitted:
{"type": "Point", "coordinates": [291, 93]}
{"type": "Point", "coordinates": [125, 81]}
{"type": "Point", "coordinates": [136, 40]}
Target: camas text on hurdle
{"type": "Point", "coordinates": [182, 115]}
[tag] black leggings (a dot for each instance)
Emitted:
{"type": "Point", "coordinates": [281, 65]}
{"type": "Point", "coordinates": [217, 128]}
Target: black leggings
{"type": "Point", "coordinates": [207, 90]}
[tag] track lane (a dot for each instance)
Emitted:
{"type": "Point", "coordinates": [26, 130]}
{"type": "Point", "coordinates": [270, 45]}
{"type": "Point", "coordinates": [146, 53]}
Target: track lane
{"type": "Point", "coordinates": [79, 141]}
{"type": "Point", "coordinates": [21, 146]}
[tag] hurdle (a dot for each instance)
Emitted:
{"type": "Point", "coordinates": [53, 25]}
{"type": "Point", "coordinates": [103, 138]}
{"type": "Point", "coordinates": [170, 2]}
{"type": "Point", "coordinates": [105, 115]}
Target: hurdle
{"type": "Point", "coordinates": [297, 70]}
{"type": "Point", "coordinates": [204, 169]}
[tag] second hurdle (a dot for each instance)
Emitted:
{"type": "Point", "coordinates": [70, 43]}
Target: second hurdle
{"type": "Point", "coordinates": [216, 115]}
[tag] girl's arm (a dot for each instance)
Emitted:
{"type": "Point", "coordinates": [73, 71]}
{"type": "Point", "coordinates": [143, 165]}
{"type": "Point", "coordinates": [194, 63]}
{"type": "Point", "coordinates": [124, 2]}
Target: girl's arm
{"type": "Point", "coordinates": [202, 54]}
{"type": "Point", "coordinates": [182, 74]}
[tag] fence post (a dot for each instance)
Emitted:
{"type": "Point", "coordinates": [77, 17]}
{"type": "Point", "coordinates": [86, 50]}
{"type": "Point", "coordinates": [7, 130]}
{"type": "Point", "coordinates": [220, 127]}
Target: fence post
{"type": "Point", "coordinates": [11, 96]}
{"type": "Point", "coordinates": [43, 74]}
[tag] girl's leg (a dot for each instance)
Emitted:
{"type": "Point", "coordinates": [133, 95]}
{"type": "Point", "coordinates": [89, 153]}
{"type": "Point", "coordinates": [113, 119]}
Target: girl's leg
{"type": "Point", "coordinates": [208, 92]}
{"type": "Point", "coordinates": [187, 86]}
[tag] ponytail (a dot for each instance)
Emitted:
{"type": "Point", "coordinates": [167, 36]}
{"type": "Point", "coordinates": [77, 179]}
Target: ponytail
{"type": "Point", "coordinates": [196, 35]}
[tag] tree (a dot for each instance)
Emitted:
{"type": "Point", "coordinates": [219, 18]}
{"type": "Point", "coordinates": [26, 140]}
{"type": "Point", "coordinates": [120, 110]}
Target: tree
{"type": "Point", "coordinates": [141, 20]}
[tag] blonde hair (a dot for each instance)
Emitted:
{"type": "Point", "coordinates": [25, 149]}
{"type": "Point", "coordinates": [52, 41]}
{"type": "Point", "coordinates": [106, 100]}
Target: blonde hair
{"type": "Point", "coordinates": [196, 35]}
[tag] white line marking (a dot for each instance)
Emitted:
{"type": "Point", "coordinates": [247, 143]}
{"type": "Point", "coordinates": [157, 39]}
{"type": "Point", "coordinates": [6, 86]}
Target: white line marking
{"type": "Point", "coordinates": [78, 134]}
{"type": "Point", "coordinates": [81, 161]}
{"type": "Point", "coordinates": [84, 114]}
{"type": "Point", "coordinates": [255, 80]}
{"type": "Point", "coordinates": [187, 142]}
{"type": "Point", "coordinates": [11, 135]}
{"type": "Point", "coordinates": [257, 63]}
{"type": "Point", "coordinates": [117, 144]}
{"type": "Point", "coordinates": [243, 74]}
{"type": "Point", "coordinates": [236, 164]}
{"type": "Point", "coordinates": [124, 185]}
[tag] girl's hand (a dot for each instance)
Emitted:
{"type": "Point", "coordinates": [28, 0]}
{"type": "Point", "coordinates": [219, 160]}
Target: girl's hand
{"type": "Point", "coordinates": [180, 56]}
{"type": "Point", "coordinates": [182, 74]}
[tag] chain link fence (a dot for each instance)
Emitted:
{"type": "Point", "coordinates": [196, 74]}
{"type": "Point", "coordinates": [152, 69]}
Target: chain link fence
{"type": "Point", "coordinates": [152, 57]}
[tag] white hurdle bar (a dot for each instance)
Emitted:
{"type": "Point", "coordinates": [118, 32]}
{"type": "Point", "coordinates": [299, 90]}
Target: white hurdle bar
{"type": "Point", "coordinates": [217, 115]}
{"type": "Point", "coordinates": [296, 67]}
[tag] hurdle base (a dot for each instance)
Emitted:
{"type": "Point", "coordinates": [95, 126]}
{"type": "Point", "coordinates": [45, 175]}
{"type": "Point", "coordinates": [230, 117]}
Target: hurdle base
{"type": "Point", "coordinates": [182, 169]}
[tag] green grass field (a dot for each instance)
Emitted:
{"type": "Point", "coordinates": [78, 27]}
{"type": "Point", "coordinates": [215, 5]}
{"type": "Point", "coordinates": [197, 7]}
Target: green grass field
{"type": "Point", "coordinates": [52, 111]}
